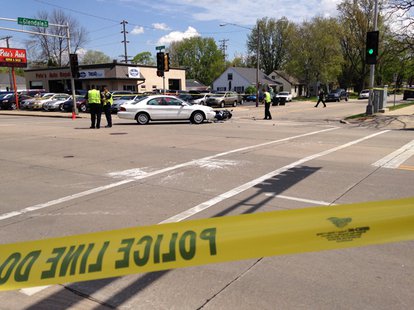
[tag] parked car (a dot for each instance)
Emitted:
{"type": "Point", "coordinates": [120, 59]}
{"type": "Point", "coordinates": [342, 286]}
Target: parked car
{"type": "Point", "coordinates": [81, 104]}
{"type": "Point", "coordinates": [364, 94]}
{"type": "Point", "coordinates": [221, 99]}
{"type": "Point", "coordinates": [337, 95]}
{"type": "Point", "coordinates": [121, 100]}
{"type": "Point", "coordinates": [252, 97]}
{"type": "Point", "coordinates": [8, 101]}
{"type": "Point", "coordinates": [162, 108]}
{"type": "Point", "coordinates": [28, 104]}
{"type": "Point", "coordinates": [55, 103]}
{"type": "Point", "coordinates": [39, 102]}
{"type": "Point", "coordinates": [408, 93]}
{"type": "Point", "coordinates": [185, 96]}
{"type": "Point", "coordinates": [200, 98]}
{"type": "Point", "coordinates": [287, 97]}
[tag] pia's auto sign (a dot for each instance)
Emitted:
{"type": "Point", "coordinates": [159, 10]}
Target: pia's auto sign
{"type": "Point", "coordinates": [11, 57]}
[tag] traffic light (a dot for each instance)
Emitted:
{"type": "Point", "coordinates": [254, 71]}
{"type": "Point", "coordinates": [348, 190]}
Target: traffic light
{"type": "Point", "coordinates": [74, 66]}
{"type": "Point", "coordinates": [160, 61]}
{"type": "Point", "coordinates": [371, 50]}
{"type": "Point", "coordinates": [160, 73]}
{"type": "Point", "coordinates": [166, 62]}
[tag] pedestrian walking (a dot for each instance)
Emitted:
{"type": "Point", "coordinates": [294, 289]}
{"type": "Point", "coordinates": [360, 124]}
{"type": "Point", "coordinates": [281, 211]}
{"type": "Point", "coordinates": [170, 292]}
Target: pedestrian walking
{"type": "Point", "coordinates": [267, 101]}
{"type": "Point", "coordinates": [107, 103]}
{"type": "Point", "coordinates": [93, 98]}
{"type": "Point", "coordinates": [321, 97]}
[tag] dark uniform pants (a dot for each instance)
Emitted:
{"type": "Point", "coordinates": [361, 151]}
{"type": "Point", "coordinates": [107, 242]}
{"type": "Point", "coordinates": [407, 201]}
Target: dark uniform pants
{"type": "Point", "coordinates": [267, 111]}
{"type": "Point", "coordinates": [107, 111]}
{"type": "Point", "coordinates": [96, 113]}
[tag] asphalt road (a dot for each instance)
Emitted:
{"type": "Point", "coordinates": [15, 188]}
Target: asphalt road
{"type": "Point", "coordinates": [45, 161]}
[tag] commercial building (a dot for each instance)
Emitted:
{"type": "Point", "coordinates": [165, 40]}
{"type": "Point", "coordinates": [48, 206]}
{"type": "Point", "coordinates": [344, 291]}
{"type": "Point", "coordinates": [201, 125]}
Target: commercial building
{"type": "Point", "coordinates": [114, 76]}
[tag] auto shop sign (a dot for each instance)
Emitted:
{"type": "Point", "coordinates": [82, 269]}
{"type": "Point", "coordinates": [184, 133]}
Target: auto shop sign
{"type": "Point", "coordinates": [11, 57]}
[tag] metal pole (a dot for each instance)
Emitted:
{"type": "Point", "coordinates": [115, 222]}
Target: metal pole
{"type": "Point", "coordinates": [16, 96]}
{"type": "Point", "coordinates": [125, 40]}
{"type": "Point", "coordinates": [257, 67]}
{"type": "Point", "coordinates": [370, 106]}
{"type": "Point", "coordinates": [72, 80]}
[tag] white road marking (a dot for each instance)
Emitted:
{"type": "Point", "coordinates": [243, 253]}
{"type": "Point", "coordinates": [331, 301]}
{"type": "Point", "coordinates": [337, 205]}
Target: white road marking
{"type": "Point", "coordinates": [316, 202]}
{"type": "Point", "coordinates": [396, 158]}
{"type": "Point", "coordinates": [147, 175]}
{"type": "Point", "coordinates": [33, 290]}
{"type": "Point", "coordinates": [237, 190]}
{"type": "Point", "coordinates": [209, 203]}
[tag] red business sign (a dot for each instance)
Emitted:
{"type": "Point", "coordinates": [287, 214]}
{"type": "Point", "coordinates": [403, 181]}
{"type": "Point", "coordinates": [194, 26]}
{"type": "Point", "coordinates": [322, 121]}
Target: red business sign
{"type": "Point", "coordinates": [11, 57]}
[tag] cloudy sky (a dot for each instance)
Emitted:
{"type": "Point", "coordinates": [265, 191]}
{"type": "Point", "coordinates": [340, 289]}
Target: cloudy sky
{"type": "Point", "coordinates": [153, 23]}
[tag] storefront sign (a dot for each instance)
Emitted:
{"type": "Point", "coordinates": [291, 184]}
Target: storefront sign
{"type": "Point", "coordinates": [11, 57]}
{"type": "Point", "coordinates": [133, 72]}
{"type": "Point", "coordinates": [91, 74]}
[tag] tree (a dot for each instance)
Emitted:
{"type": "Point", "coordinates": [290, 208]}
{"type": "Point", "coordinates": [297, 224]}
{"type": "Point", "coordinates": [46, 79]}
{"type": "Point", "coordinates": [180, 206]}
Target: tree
{"type": "Point", "coordinates": [402, 10]}
{"type": "Point", "coordinates": [315, 51]}
{"type": "Point", "coordinates": [273, 36]}
{"type": "Point", "coordinates": [54, 50]}
{"type": "Point", "coordinates": [201, 57]}
{"type": "Point", "coordinates": [95, 57]}
{"type": "Point", "coordinates": [144, 58]}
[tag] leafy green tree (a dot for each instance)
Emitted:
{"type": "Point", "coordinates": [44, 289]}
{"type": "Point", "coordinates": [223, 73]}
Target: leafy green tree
{"type": "Point", "coordinates": [273, 41]}
{"type": "Point", "coordinates": [95, 57]}
{"type": "Point", "coordinates": [144, 58]}
{"type": "Point", "coordinates": [201, 57]}
{"type": "Point", "coordinates": [315, 51]}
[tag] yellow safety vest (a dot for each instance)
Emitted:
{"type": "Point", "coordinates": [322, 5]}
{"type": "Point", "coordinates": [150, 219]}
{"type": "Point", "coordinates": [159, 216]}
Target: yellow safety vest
{"type": "Point", "coordinates": [267, 97]}
{"type": "Point", "coordinates": [94, 96]}
{"type": "Point", "coordinates": [110, 100]}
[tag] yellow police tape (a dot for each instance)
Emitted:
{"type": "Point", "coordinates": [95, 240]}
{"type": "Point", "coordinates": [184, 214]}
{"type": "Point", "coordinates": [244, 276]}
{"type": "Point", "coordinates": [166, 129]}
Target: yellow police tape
{"type": "Point", "coordinates": [167, 246]}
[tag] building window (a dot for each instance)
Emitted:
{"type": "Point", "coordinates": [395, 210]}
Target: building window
{"type": "Point", "coordinates": [221, 88]}
{"type": "Point", "coordinates": [239, 89]}
{"type": "Point", "coordinates": [229, 76]}
{"type": "Point", "coordinates": [273, 77]}
{"type": "Point", "coordinates": [130, 87]}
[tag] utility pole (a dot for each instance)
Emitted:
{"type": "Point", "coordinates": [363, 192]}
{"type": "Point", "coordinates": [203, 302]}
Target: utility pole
{"type": "Point", "coordinates": [125, 40]}
{"type": "Point", "coordinates": [223, 47]}
{"type": "Point", "coordinates": [10, 69]}
{"type": "Point", "coordinates": [370, 106]}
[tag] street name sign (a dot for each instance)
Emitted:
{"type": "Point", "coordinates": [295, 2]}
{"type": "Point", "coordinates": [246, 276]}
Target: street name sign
{"type": "Point", "coordinates": [32, 22]}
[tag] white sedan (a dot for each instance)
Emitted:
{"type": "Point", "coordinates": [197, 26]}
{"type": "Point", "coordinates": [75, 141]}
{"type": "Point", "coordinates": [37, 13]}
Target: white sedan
{"type": "Point", "coordinates": [284, 94]}
{"type": "Point", "coordinates": [164, 108]}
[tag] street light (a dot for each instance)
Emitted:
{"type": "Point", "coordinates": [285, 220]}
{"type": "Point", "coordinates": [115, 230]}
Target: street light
{"type": "Point", "coordinates": [257, 55]}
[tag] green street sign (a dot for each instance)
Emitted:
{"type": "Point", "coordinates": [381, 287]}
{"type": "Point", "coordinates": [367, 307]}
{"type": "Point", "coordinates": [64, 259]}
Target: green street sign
{"type": "Point", "coordinates": [32, 22]}
{"type": "Point", "coordinates": [159, 48]}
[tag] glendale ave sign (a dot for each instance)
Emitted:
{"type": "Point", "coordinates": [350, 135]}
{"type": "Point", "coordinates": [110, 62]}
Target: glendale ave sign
{"type": "Point", "coordinates": [32, 22]}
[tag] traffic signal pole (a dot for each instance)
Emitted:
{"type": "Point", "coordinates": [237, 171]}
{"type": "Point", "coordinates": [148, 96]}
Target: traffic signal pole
{"type": "Point", "coordinates": [72, 79]}
{"type": "Point", "coordinates": [370, 106]}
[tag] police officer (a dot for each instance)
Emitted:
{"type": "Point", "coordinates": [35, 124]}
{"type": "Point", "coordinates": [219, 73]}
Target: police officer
{"type": "Point", "coordinates": [95, 107]}
{"type": "Point", "coordinates": [107, 103]}
{"type": "Point", "coordinates": [267, 100]}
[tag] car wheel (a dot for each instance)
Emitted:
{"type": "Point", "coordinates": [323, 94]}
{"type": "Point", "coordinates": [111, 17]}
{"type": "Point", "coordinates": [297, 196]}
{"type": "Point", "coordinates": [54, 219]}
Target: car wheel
{"type": "Point", "coordinates": [346, 99]}
{"type": "Point", "coordinates": [142, 118]}
{"type": "Point", "coordinates": [235, 104]}
{"type": "Point", "coordinates": [222, 104]}
{"type": "Point", "coordinates": [82, 107]}
{"type": "Point", "coordinates": [197, 117]}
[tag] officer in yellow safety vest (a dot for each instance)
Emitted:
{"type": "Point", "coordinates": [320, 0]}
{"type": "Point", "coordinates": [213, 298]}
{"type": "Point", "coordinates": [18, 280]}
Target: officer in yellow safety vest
{"type": "Point", "coordinates": [95, 106]}
{"type": "Point", "coordinates": [267, 100]}
{"type": "Point", "coordinates": [107, 102]}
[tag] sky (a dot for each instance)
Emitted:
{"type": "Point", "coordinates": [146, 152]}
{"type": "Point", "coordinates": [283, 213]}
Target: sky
{"type": "Point", "coordinates": [155, 23]}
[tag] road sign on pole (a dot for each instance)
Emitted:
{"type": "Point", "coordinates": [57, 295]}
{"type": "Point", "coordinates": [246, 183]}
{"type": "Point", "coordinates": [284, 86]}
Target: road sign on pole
{"type": "Point", "coordinates": [160, 48]}
{"type": "Point", "coordinates": [32, 22]}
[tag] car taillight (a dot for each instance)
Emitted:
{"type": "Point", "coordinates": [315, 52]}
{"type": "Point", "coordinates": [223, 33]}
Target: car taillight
{"type": "Point", "coordinates": [122, 109]}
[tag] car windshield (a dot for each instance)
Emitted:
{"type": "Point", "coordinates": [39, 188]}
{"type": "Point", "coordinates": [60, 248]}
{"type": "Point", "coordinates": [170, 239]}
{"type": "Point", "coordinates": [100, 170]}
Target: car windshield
{"type": "Point", "coordinates": [218, 94]}
{"type": "Point", "coordinates": [284, 93]}
{"type": "Point", "coordinates": [124, 97]}
{"type": "Point", "coordinates": [139, 99]}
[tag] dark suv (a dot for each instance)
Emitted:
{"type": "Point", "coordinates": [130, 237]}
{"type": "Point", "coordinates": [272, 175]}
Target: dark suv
{"type": "Point", "coordinates": [408, 93]}
{"type": "Point", "coordinates": [337, 95]}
